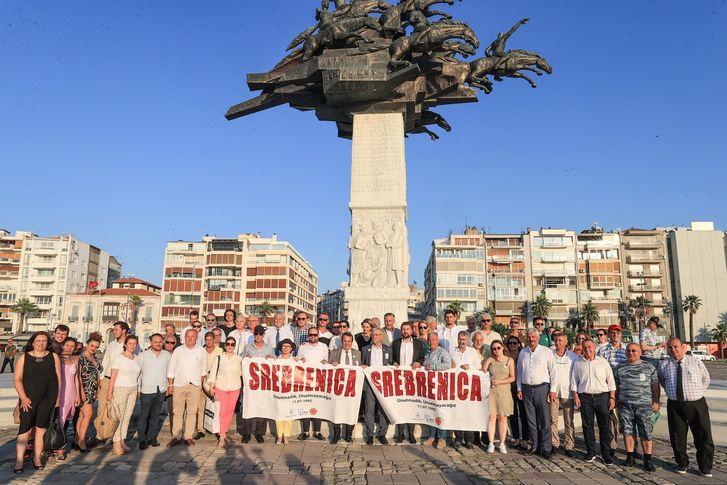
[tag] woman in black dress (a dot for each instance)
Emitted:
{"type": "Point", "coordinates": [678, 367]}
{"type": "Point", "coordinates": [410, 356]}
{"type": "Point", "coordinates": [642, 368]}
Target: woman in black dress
{"type": "Point", "coordinates": [363, 338]}
{"type": "Point", "coordinates": [37, 375]}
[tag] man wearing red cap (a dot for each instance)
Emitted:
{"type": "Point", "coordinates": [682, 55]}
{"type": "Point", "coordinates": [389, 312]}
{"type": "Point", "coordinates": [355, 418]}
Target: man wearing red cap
{"type": "Point", "coordinates": [615, 353]}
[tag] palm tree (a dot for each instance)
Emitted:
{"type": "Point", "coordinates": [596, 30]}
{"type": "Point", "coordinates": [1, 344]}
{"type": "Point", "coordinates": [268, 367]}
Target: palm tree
{"type": "Point", "coordinates": [488, 309]}
{"type": "Point", "coordinates": [719, 333]}
{"type": "Point", "coordinates": [589, 313]}
{"type": "Point", "coordinates": [265, 309]}
{"type": "Point", "coordinates": [541, 306]}
{"type": "Point", "coordinates": [641, 306]}
{"type": "Point", "coordinates": [456, 306]}
{"type": "Point", "coordinates": [691, 304]}
{"type": "Point", "coordinates": [22, 307]}
{"type": "Point", "coordinates": [135, 302]}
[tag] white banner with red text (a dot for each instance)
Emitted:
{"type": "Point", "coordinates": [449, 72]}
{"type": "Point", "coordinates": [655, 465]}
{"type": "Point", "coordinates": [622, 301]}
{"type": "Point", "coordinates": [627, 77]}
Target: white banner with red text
{"type": "Point", "coordinates": [454, 400]}
{"type": "Point", "coordinates": [287, 390]}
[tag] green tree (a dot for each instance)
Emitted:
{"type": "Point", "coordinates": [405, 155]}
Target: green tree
{"type": "Point", "coordinates": [135, 302]}
{"type": "Point", "coordinates": [719, 333]}
{"type": "Point", "coordinates": [488, 309]}
{"type": "Point", "coordinates": [456, 306]}
{"type": "Point", "coordinates": [590, 315]}
{"type": "Point", "coordinates": [691, 304]}
{"type": "Point", "coordinates": [265, 309]}
{"type": "Point", "coordinates": [541, 306]}
{"type": "Point", "coordinates": [22, 307]}
{"type": "Point", "coordinates": [640, 306]}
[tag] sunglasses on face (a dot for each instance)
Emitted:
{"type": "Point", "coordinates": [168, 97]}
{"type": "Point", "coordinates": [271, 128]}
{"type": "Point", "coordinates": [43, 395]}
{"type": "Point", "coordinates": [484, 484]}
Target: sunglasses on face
{"type": "Point", "coordinates": [336, 326]}
{"type": "Point", "coordinates": [581, 338]}
{"type": "Point", "coordinates": [210, 319]}
{"type": "Point", "coordinates": [322, 319]}
{"type": "Point", "coordinates": [170, 343]}
{"type": "Point", "coordinates": [229, 344]}
{"type": "Point", "coordinates": [423, 327]}
{"type": "Point", "coordinates": [197, 326]}
{"type": "Point", "coordinates": [302, 318]}
{"type": "Point", "coordinates": [485, 321]}
{"type": "Point", "coordinates": [496, 348]}
{"type": "Point", "coordinates": [600, 335]}
{"type": "Point", "coordinates": [539, 324]}
{"type": "Point", "coordinates": [312, 334]}
{"type": "Point", "coordinates": [631, 351]}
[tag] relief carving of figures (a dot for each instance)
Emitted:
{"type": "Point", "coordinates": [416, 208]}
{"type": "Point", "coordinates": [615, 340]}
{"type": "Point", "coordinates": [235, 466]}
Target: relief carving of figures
{"type": "Point", "coordinates": [396, 254]}
{"type": "Point", "coordinates": [380, 238]}
{"type": "Point", "coordinates": [360, 246]}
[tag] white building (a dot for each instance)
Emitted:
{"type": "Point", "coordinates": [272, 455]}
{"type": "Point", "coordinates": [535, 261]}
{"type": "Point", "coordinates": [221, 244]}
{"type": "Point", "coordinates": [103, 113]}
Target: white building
{"type": "Point", "coordinates": [53, 267]}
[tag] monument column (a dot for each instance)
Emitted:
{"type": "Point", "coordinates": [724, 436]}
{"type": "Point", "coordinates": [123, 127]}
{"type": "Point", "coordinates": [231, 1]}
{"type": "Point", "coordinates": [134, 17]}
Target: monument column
{"type": "Point", "coordinates": [378, 244]}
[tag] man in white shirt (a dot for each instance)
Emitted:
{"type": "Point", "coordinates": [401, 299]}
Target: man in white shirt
{"type": "Point", "coordinates": [486, 329]}
{"type": "Point", "coordinates": [448, 334]}
{"type": "Point", "coordinates": [535, 373]}
{"type": "Point", "coordinates": [561, 396]}
{"type": "Point", "coordinates": [312, 352]}
{"type": "Point", "coordinates": [409, 352]}
{"type": "Point", "coordinates": [154, 363]}
{"type": "Point", "coordinates": [337, 340]}
{"type": "Point", "coordinates": [594, 393]}
{"type": "Point", "coordinates": [466, 358]}
{"type": "Point", "coordinates": [391, 333]}
{"type": "Point", "coordinates": [185, 376]}
{"type": "Point", "coordinates": [324, 336]}
{"type": "Point", "coordinates": [278, 332]}
{"type": "Point", "coordinates": [376, 354]}
{"type": "Point", "coordinates": [241, 334]}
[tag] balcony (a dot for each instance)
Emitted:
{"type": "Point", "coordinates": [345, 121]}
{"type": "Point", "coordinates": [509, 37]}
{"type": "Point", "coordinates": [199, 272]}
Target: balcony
{"type": "Point", "coordinates": [109, 318]}
{"type": "Point", "coordinates": [641, 274]}
{"type": "Point", "coordinates": [644, 244]}
{"type": "Point", "coordinates": [645, 289]}
{"type": "Point", "coordinates": [557, 259]}
{"type": "Point", "coordinates": [645, 258]}
{"type": "Point", "coordinates": [72, 319]}
{"type": "Point", "coordinates": [146, 320]}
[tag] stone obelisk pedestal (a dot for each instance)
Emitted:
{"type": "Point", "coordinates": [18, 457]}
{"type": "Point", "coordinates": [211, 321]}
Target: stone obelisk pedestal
{"type": "Point", "coordinates": [379, 249]}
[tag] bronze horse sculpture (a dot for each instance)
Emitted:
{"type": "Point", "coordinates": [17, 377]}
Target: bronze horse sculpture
{"type": "Point", "coordinates": [508, 65]}
{"type": "Point", "coordinates": [430, 39]}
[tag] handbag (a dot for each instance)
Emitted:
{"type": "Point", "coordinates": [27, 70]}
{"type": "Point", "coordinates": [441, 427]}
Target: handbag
{"type": "Point", "coordinates": [212, 416]}
{"type": "Point", "coordinates": [107, 421]}
{"type": "Point", "coordinates": [54, 438]}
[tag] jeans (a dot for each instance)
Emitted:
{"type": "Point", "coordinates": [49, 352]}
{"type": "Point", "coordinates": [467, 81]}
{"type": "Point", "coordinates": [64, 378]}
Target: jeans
{"type": "Point", "coordinates": [437, 434]}
{"type": "Point", "coordinates": [148, 423]}
{"type": "Point", "coordinates": [7, 361]}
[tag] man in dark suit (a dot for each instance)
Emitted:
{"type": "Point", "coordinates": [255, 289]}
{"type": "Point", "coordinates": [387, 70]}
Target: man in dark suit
{"type": "Point", "coordinates": [391, 333]}
{"type": "Point", "coordinates": [409, 352]}
{"type": "Point", "coordinates": [346, 355]}
{"type": "Point", "coordinates": [376, 354]}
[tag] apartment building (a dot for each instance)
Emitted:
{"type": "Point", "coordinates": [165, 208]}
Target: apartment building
{"type": "Point", "coordinates": [554, 270]}
{"type": "Point", "coordinates": [333, 303]}
{"type": "Point", "coordinates": [456, 272]}
{"type": "Point", "coordinates": [415, 304]}
{"type": "Point", "coordinates": [600, 280]}
{"type": "Point", "coordinates": [11, 247]}
{"type": "Point", "coordinates": [96, 310]}
{"type": "Point", "coordinates": [239, 273]}
{"type": "Point", "coordinates": [645, 271]}
{"type": "Point", "coordinates": [698, 267]}
{"type": "Point", "coordinates": [508, 271]}
{"type": "Point", "coordinates": [53, 267]}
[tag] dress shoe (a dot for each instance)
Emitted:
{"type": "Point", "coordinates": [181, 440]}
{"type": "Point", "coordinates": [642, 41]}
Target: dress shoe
{"type": "Point", "coordinates": [369, 441]}
{"type": "Point", "coordinates": [319, 436]}
{"type": "Point", "coordinates": [469, 446]}
{"type": "Point", "coordinates": [303, 436]}
{"type": "Point", "coordinates": [334, 441]}
{"type": "Point", "coordinates": [154, 443]}
{"type": "Point", "coordinates": [399, 440]}
{"type": "Point", "coordinates": [198, 436]}
{"type": "Point", "coordinates": [546, 455]}
{"type": "Point", "coordinates": [260, 438]}
{"type": "Point", "coordinates": [629, 461]}
{"type": "Point", "coordinates": [348, 440]}
{"type": "Point", "coordinates": [649, 467]}
{"type": "Point", "coordinates": [569, 453]}
{"type": "Point", "coordinates": [383, 440]}
{"type": "Point", "coordinates": [531, 451]}
{"type": "Point", "coordinates": [412, 440]}
{"type": "Point", "coordinates": [245, 439]}
{"type": "Point", "coordinates": [607, 460]}
{"type": "Point", "coordinates": [589, 457]}
{"type": "Point", "coordinates": [173, 442]}
{"type": "Point", "coordinates": [189, 442]}
{"type": "Point", "coordinates": [143, 445]}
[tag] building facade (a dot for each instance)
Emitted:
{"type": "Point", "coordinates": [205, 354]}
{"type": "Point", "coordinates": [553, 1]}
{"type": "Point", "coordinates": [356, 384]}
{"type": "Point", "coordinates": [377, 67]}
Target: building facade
{"type": "Point", "coordinates": [600, 280]}
{"type": "Point", "coordinates": [11, 248]}
{"type": "Point", "coordinates": [415, 304]}
{"type": "Point", "coordinates": [239, 273]}
{"type": "Point", "coordinates": [97, 310]}
{"type": "Point", "coordinates": [333, 303]}
{"type": "Point", "coordinates": [52, 268]}
{"type": "Point", "coordinates": [698, 267]}
{"type": "Point", "coordinates": [508, 273]}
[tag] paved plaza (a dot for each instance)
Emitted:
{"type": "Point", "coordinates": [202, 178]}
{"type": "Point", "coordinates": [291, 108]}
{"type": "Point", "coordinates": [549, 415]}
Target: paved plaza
{"type": "Point", "coordinates": [318, 463]}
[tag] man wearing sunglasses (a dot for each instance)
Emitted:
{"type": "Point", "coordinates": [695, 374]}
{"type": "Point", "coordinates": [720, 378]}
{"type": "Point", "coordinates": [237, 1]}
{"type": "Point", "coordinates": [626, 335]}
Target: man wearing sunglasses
{"type": "Point", "coordinates": [337, 340]}
{"type": "Point", "coordinates": [324, 336]}
{"type": "Point", "coordinates": [601, 339]}
{"type": "Point", "coordinates": [299, 328]}
{"type": "Point", "coordinates": [196, 325]}
{"type": "Point", "coordinates": [539, 324]}
{"type": "Point", "coordinates": [313, 352]}
{"type": "Point", "coordinates": [489, 334]}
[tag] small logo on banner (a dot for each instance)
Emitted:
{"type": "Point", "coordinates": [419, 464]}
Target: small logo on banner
{"type": "Point", "coordinates": [438, 421]}
{"type": "Point", "coordinates": [313, 411]}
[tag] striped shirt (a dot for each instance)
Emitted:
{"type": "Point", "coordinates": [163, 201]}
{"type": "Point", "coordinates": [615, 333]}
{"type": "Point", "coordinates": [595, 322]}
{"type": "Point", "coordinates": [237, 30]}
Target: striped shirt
{"type": "Point", "coordinates": [613, 355]}
{"type": "Point", "coordinates": [695, 378]}
{"type": "Point", "coordinates": [300, 336]}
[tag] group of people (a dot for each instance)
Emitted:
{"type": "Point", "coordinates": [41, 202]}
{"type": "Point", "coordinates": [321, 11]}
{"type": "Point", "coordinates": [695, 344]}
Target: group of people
{"type": "Point", "coordinates": [534, 376]}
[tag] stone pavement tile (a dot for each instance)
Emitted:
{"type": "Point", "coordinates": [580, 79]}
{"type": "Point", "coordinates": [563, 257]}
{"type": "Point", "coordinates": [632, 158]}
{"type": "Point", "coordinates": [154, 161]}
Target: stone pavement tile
{"type": "Point", "coordinates": [378, 478]}
{"type": "Point", "coordinates": [430, 479]}
{"type": "Point", "coordinates": [456, 478]}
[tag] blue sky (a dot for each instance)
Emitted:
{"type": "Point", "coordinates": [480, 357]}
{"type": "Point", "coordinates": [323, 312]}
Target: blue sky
{"type": "Point", "coordinates": [112, 128]}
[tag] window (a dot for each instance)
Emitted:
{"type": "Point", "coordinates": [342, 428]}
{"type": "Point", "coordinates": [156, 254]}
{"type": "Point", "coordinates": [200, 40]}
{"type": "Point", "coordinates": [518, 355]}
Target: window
{"type": "Point", "coordinates": [110, 310]}
{"type": "Point", "coordinates": [43, 300]}
{"type": "Point", "coordinates": [45, 272]}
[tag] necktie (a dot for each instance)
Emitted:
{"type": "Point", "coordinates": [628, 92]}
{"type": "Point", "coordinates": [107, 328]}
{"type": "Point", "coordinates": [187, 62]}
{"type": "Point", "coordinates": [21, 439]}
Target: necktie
{"type": "Point", "coordinates": [348, 358]}
{"type": "Point", "coordinates": [277, 341]}
{"type": "Point", "coordinates": [680, 383]}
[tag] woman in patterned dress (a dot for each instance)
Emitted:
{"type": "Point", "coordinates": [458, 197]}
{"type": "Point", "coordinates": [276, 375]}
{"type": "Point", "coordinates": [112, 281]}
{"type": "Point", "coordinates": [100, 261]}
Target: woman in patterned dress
{"type": "Point", "coordinates": [90, 368]}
